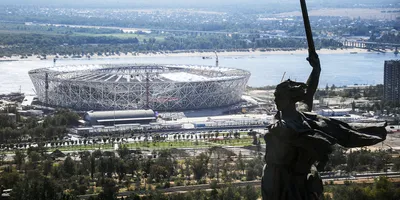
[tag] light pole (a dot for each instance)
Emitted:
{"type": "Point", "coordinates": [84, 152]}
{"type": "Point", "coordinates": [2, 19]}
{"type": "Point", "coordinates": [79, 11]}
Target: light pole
{"type": "Point", "coordinates": [216, 57]}
{"type": "Point", "coordinates": [115, 102]}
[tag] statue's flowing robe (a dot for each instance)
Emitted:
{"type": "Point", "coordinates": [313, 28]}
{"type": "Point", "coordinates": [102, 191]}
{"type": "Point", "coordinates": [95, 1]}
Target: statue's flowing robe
{"type": "Point", "coordinates": [294, 147]}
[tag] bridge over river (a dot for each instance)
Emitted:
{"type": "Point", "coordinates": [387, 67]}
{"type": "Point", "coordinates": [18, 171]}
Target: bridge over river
{"type": "Point", "coordinates": [374, 46]}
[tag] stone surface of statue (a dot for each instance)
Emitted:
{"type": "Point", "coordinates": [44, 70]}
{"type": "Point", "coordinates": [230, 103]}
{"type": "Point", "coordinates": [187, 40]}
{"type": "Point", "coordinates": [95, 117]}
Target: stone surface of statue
{"type": "Point", "coordinates": [298, 143]}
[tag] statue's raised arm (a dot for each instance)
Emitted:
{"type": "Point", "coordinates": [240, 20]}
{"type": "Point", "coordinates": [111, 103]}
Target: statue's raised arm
{"type": "Point", "coordinates": [313, 79]}
{"type": "Point", "coordinates": [312, 82]}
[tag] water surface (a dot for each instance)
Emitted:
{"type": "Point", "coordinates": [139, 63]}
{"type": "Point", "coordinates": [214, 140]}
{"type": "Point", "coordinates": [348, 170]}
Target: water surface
{"type": "Point", "coordinates": [338, 69]}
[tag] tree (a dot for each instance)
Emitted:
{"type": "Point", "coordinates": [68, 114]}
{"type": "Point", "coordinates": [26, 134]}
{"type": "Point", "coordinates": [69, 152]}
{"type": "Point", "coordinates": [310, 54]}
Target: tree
{"type": "Point", "coordinates": [123, 152]}
{"type": "Point", "coordinates": [230, 193]}
{"type": "Point", "coordinates": [47, 166]}
{"type": "Point", "coordinates": [396, 164]}
{"type": "Point", "coordinates": [250, 193]}
{"type": "Point", "coordinates": [241, 165]}
{"type": "Point", "coordinates": [187, 168]}
{"type": "Point", "coordinates": [351, 161]}
{"type": "Point", "coordinates": [163, 167]}
{"type": "Point", "coordinates": [107, 165]}
{"type": "Point", "coordinates": [254, 135]}
{"type": "Point", "coordinates": [35, 186]}
{"type": "Point", "coordinates": [351, 192]}
{"type": "Point", "coordinates": [34, 157]}
{"type": "Point", "coordinates": [199, 166]}
{"type": "Point", "coordinates": [109, 189]}
{"type": "Point", "coordinates": [381, 159]}
{"type": "Point", "coordinates": [69, 167]}
{"type": "Point", "coordinates": [97, 154]}
{"type": "Point", "coordinates": [19, 158]}
{"type": "Point", "coordinates": [146, 165]}
{"type": "Point", "coordinates": [333, 87]}
{"type": "Point", "coordinates": [133, 164]}
{"type": "Point", "coordinates": [336, 158]}
{"type": "Point", "coordinates": [381, 189]}
{"type": "Point", "coordinates": [9, 179]}
{"type": "Point", "coordinates": [133, 196]}
{"type": "Point", "coordinates": [214, 190]}
{"type": "Point", "coordinates": [158, 172]}
{"type": "Point", "coordinates": [228, 172]}
{"type": "Point", "coordinates": [121, 169]}
{"type": "Point", "coordinates": [92, 160]}
{"type": "Point", "coordinates": [2, 157]}
{"type": "Point", "coordinates": [384, 189]}
{"type": "Point", "coordinates": [254, 168]}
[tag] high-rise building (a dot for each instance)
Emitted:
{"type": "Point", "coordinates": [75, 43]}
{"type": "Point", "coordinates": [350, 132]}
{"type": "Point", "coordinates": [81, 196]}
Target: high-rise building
{"type": "Point", "coordinates": [392, 81]}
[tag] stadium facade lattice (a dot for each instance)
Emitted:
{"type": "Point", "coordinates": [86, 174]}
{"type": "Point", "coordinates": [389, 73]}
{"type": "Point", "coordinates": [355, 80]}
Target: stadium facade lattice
{"type": "Point", "coordinates": [138, 86]}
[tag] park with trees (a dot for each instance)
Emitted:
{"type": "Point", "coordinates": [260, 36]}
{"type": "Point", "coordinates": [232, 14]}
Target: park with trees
{"type": "Point", "coordinates": [160, 169]}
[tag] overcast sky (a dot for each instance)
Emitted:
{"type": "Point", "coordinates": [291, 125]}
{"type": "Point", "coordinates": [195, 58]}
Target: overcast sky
{"type": "Point", "coordinates": [135, 2]}
{"type": "Point", "coordinates": [180, 3]}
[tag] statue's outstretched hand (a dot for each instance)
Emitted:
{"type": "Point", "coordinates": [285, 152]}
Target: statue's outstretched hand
{"type": "Point", "coordinates": [314, 60]}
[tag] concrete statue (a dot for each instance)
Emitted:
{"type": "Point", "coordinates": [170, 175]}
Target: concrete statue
{"type": "Point", "coordinates": [298, 143]}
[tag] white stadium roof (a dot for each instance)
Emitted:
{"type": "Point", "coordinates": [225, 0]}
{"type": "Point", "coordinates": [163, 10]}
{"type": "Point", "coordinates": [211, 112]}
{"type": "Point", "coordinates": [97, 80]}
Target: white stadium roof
{"type": "Point", "coordinates": [139, 73]}
{"type": "Point", "coordinates": [188, 77]}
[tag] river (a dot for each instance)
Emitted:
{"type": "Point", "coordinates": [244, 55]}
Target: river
{"type": "Point", "coordinates": [338, 69]}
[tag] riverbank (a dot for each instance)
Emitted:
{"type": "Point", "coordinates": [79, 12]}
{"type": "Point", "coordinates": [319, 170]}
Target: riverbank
{"type": "Point", "coordinates": [203, 54]}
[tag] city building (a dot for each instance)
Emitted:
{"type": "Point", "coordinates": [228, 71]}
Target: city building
{"type": "Point", "coordinates": [334, 112]}
{"type": "Point", "coordinates": [119, 117]}
{"type": "Point", "coordinates": [392, 81]}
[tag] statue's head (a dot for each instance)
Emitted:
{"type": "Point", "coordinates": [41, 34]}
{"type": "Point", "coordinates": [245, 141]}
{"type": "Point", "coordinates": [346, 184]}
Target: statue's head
{"type": "Point", "coordinates": [288, 93]}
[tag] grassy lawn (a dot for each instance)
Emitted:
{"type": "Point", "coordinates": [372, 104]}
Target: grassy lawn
{"type": "Point", "coordinates": [233, 142]}
{"type": "Point", "coordinates": [82, 147]}
{"type": "Point", "coordinates": [134, 145]}
{"type": "Point", "coordinates": [159, 145]}
{"type": "Point", "coordinates": [155, 145]}
{"type": "Point", "coordinates": [166, 145]}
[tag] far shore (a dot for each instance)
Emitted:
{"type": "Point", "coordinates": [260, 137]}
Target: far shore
{"type": "Point", "coordinates": [206, 55]}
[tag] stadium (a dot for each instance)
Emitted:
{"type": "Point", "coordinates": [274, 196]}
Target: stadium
{"type": "Point", "coordinates": [138, 86]}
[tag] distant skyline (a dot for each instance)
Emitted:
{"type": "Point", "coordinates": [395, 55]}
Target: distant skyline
{"type": "Point", "coordinates": [138, 2]}
{"type": "Point", "coordinates": [189, 3]}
